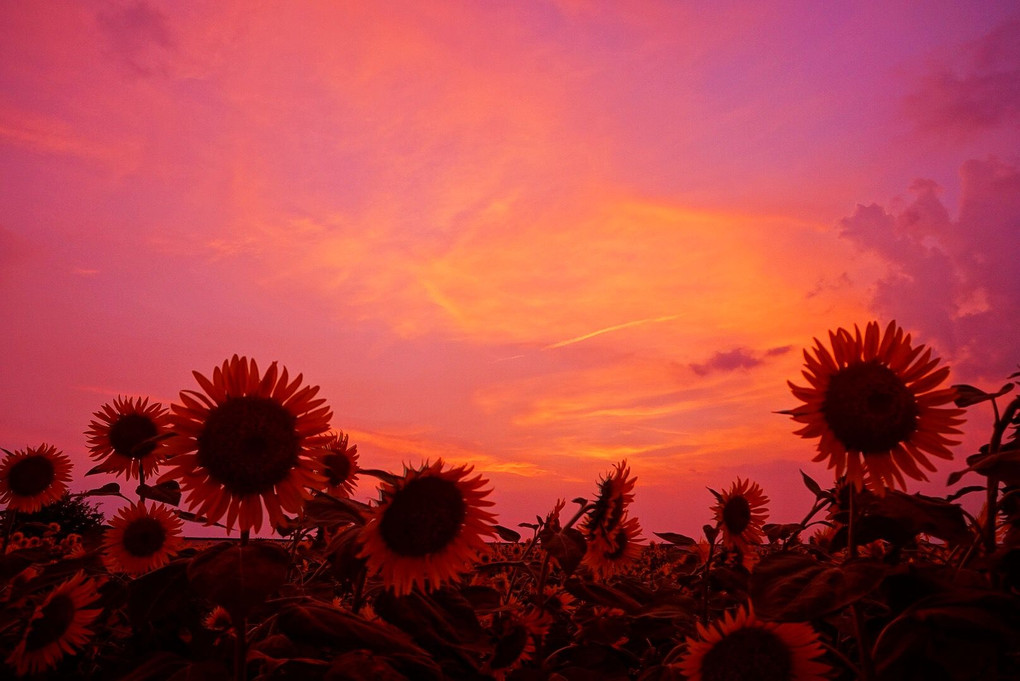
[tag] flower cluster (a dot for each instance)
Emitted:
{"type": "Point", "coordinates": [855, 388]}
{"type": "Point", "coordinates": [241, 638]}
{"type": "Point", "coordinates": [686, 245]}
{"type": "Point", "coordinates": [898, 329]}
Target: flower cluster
{"type": "Point", "coordinates": [422, 583]}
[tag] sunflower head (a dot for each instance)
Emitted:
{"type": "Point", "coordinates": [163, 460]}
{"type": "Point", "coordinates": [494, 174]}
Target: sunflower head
{"type": "Point", "coordinates": [339, 464]}
{"type": "Point", "coordinates": [616, 490]}
{"type": "Point", "coordinates": [246, 443]}
{"type": "Point", "coordinates": [141, 538]}
{"type": "Point", "coordinates": [740, 513]}
{"type": "Point", "coordinates": [873, 404]}
{"type": "Point", "coordinates": [58, 626]}
{"type": "Point", "coordinates": [427, 527]}
{"type": "Point", "coordinates": [741, 646]}
{"type": "Point", "coordinates": [34, 477]}
{"type": "Point", "coordinates": [127, 437]}
{"type": "Point", "coordinates": [613, 552]}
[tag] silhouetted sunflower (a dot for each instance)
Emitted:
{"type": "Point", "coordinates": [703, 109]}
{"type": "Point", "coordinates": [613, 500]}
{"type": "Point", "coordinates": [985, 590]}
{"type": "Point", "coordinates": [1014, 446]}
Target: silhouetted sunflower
{"type": "Point", "coordinates": [427, 527]}
{"type": "Point", "coordinates": [34, 477]}
{"type": "Point", "coordinates": [58, 627]}
{"type": "Point", "coordinates": [873, 405]}
{"type": "Point", "coordinates": [616, 490]}
{"type": "Point", "coordinates": [742, 647]}
{"type": "Point", "coordinates": [517, 631]}
{"type": "Point", "coordinates": [339, 463]}
{"type": "Point", "coordinates": [245, 442]}
{"type": "Point", "coordinates": [740, 513]}
{"type": "Point", "coordinates": [142, 538]}
{"type": "Point", "coordinates": [127, 437]}
{"type": "Point", "coordinates": [610, 554]}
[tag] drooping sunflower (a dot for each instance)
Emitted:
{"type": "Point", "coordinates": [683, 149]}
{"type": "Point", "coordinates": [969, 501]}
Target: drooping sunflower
{"type": "Point", "coordinates": [57, 627]}
{"type": "Point", "coordinates": [610, 554]}
{"type": "Point", "coordinates": [126, 437]}
{"type": "Point", "coordinates": [142, 538]}
{"type": "Point", "coordinates": [741, 646]}
{"type": "Point", "coordinates": [247, 442]}
{"type": "Point", "coordinates": [616, 491]}
{"type": "Point", "coordinates": [339, 463]}
{"type": "Point", "coordinates": [740, 513]}
{"type": "Point", "coordinates": [33, 477]}
{"type": "Point", "coordinates": [427, 527]}
{"type": "Point", "coordinates": [873, 404]}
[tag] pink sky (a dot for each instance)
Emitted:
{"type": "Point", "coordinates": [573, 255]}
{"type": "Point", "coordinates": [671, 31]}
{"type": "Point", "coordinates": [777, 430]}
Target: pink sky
{"type": "Point", "coordinates": [538, 237]}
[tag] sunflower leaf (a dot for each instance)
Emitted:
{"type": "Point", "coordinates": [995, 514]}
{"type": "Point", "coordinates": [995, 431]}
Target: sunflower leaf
{"type": "Point", "coordinates": [676, 539]}
{"type": "Point", "coordinates": [239, 577]}
{"type": "Point", "coordinates": [506, 534]}
{"type": "Point", "coordinates": [795, 588]}
{"type": "Point", "coordinates": [110, 489]}
{"type": "Point", "coordinates": [168, 492]}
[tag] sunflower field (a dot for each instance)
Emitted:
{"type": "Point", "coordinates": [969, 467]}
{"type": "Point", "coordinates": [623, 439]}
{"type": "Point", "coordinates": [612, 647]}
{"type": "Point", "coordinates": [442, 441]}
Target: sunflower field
{"type": "Point", "coordinates": [873, 583]}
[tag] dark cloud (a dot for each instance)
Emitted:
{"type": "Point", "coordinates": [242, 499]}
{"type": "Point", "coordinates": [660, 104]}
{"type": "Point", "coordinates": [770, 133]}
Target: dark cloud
{"type": "Point", "coordinates": [738, 358]}
{"type": "Point", "coordinates": [954, 281]}
{"type": "Point", "coordinates": [980, 90]}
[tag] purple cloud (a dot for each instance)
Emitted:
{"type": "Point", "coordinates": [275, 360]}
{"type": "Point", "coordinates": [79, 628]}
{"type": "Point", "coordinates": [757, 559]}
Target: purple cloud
{"type": "Point", "coordinates": [738, 358]}
{"type": "Point", "coordinates": [955, 281]}
{"type": "Point", "coordinates": [980, 90]}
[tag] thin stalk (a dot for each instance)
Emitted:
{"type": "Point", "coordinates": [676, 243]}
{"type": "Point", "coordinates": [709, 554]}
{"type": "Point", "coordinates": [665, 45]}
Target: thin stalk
{"type": "Point", "coordinates": [992, 493]}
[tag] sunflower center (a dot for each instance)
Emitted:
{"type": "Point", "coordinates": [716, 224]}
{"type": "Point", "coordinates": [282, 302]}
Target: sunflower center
{"type": "Point", "coordinates": [31, 475]}
{"type": "Point", "coordinates": [736, 514]}
{"type": "Point", "coordinates": [338, 468]}
{"type": "Point", "coordinates": [423, 517]}
{"type": "Point", "coordinates": [143, 537]}
{"type": "Point", "coordinates": [56, 618]}
{"type": "Point", "coordinates": [869, 408]}
{"type": "Point", "coordinates": [249, 444]}
{"type": "Point", "coordinates": [748, 653]}
{"type": "Point", "coordinates": [130, 435]}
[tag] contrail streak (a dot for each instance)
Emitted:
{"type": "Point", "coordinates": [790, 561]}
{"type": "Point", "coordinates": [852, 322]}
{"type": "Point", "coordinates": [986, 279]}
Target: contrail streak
{"type": "Point", "coordinates": [625, 325]}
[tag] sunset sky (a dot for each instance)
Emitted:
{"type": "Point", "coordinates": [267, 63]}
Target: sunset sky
{"type": "Point", "coordinates": [537, 237]}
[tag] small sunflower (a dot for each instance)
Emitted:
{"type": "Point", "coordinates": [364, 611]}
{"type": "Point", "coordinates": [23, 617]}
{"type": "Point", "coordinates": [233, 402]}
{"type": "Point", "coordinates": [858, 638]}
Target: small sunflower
{"type": "Point", "coordinates": [873, 405]}
{"type": "Point", "coordinates": [743, 647]}
{"type": "Point", "coordinates": [339, 464]}
{"type": "Point", "coordinates": [58, 627]}
{"type": "Point", "coordinates": [34, 477]}
{"type": "Point", "coordinates": [247, 442]}
{"type": "Point", "coordinates": [126, 437]}
{"type": "Point", "coordinates": [616, 490]}
{"type": "Point", "coordinates": [141, 538]}
{"type": "Point", "coordinates": [612, 553]}
{"type": "Point", "coordinates": [740, 512]}
{"type": "Point", "coordinates": [427, 527]}
{"type": "Point", "coordinates": [517, 632]}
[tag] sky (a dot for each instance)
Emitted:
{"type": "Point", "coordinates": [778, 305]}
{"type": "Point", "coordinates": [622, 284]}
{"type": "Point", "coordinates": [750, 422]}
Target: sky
{"type": "Point", "coordinates": [538, 238]}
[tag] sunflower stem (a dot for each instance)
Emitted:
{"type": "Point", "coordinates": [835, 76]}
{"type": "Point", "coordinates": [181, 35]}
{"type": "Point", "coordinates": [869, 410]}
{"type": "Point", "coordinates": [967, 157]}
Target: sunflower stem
{"type": "Point", "coordinates": [851, 525]}
{"type": "Point", "coordinates": [245, 534]}
{"type": "Point", "coordinates": [705, 581]}
{"type": "Point", "coordinates": [992, 493]}
{"type": "Point", "coordinates": [241, 648]}
{"type": "Point", "coordinates": [867, 672]}
{"type": "Point", "coordinates": [10, 519]}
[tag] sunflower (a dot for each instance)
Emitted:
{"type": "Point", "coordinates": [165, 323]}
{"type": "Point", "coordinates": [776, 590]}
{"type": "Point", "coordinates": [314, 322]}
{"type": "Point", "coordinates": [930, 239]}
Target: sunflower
{"type": "Point", "coordinates": [740, 512]}
{"type": "Point", "coordinates": [517, 631]}
{"type": "Point", "coordinates": [245, 442]}
{"type": "Point", "coordinates": [873, 404]}
{"type": "Point", "coordinates": [142, 538]}
{"type": "Point", "coordinates": [126, 437]}
{"type": "Point", "coordinates": [59, 626]}
{"type": "Point", "coordinates": [609, 554]}
{"type": "Point", "coordinates": [743, 647]}
{"type": "Point", "coordinates": [34, 477]}
{"type": "Point", "coordinates": [427, 527]}
{"type": "Point", "coordinates": [339, 463]}
{"type": "Point", "coordinates": [616, 490]}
